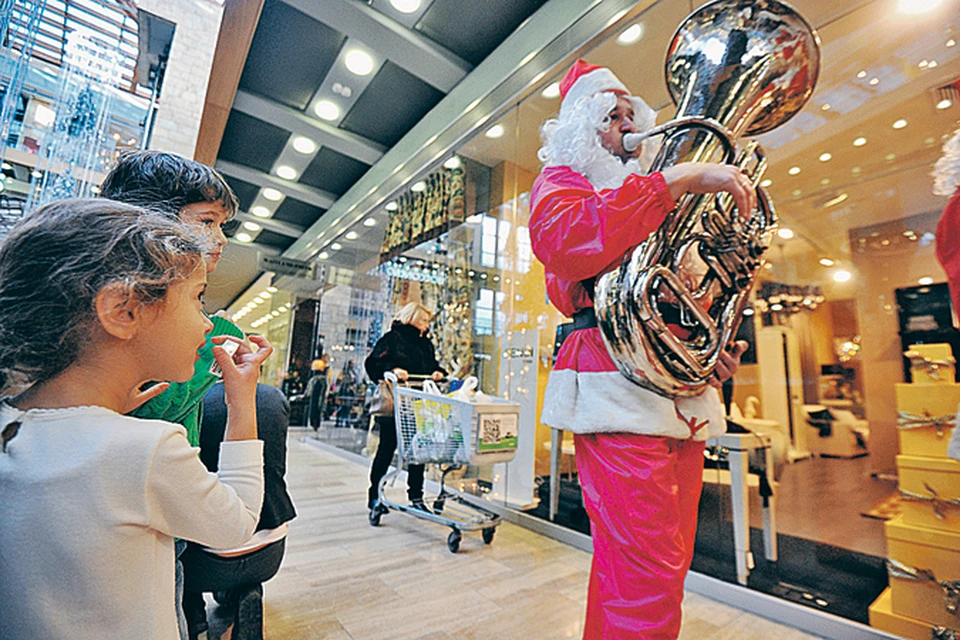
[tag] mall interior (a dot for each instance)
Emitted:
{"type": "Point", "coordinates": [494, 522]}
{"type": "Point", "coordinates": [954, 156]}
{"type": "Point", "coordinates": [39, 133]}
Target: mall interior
{"type": "Point", "coordinates": [383, 152]}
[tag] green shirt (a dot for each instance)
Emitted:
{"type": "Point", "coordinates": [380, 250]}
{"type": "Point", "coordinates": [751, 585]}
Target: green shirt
{"type": "Point", "coordinates": [182, 402]}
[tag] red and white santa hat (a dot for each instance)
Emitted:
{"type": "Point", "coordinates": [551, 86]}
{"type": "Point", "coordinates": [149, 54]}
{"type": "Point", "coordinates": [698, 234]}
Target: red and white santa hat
{"type": "Point", "coordinates": [584, 80]}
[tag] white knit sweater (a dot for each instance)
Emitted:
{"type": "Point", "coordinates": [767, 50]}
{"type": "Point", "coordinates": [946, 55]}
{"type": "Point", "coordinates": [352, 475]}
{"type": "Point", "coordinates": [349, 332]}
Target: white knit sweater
{"type": "Point", "coordinates": [90, 502]}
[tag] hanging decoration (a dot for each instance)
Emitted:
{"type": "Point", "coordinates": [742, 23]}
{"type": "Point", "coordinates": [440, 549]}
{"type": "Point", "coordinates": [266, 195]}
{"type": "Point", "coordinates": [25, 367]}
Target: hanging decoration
{"type": "Point", "coordinates": [784, 300]}
{"type": "Point", "coordinates": [425, 214]}
{"type": "Point", "coordinates": [73, 152]}
{"type": "Point", "coordinates": [19, 26]}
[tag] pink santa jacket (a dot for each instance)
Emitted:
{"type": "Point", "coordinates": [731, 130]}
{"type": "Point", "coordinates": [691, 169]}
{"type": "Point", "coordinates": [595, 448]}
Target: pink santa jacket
{"type": "Point", "coordinates": [578, 233]}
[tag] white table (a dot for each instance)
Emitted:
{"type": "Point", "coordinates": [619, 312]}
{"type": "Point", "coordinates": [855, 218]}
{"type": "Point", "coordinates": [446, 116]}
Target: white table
{"type": "Point", "coordinates": [739, 446]}
{"type": "Point", "coordinates": [558, 447]}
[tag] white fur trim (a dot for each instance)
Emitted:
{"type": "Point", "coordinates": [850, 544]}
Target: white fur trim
{"type": "Point", "coordinates": [596, 81]}
{"type": "Point", "coordinates": [605, 402]}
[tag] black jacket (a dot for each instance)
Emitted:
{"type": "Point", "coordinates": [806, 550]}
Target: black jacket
{"type": "Point", "coordinates": [403, 347]}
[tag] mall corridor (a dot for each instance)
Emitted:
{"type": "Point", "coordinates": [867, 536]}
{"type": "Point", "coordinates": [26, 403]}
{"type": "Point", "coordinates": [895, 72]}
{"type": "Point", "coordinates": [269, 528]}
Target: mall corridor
{"type": "Point", "coordinates": [342, 579]}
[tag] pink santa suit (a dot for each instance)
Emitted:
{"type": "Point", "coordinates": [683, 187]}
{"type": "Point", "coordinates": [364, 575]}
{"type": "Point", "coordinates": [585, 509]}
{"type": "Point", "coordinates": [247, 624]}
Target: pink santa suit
{"type": "Point", "coordinates": [639, 455]}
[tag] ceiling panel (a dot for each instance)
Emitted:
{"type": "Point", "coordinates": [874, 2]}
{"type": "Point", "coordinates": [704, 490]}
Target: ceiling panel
{"type": "Point", "coordinates": [333, 172]}
{"type": "Point", "coordinates": [271, 239]}
{"type": "Point", "coordinates": [392, 103]}
{"type": "Point", "coordinates": [296, 212]}
{"type": "Point", "coordinates": [290, 55]}
{"type": "Point", "coordinates": [246, 192]}
{"type": "Point", "coordinates": [472, 29]}
{"type": "Point", "coordinates": [252, 142]}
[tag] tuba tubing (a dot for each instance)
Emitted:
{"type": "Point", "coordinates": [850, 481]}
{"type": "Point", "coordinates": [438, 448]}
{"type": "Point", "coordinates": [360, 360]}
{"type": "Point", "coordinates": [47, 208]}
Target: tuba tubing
{"type": "Point", "coordinates": [734, 68]}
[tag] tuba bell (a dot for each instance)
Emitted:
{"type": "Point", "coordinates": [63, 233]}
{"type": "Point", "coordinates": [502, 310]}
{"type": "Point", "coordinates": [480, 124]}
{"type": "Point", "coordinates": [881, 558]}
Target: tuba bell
{"type": "Point", "coordinates": [733, 68]}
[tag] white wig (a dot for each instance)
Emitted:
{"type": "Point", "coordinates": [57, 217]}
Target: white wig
{"type": "Point", "coordinates": [572, 139]}
{"type": "Point", "coordinates": [946, 172]}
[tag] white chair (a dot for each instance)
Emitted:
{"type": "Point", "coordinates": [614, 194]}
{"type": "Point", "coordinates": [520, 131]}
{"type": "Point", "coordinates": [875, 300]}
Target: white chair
{"type": "Point", "coordinates": [836, 433]}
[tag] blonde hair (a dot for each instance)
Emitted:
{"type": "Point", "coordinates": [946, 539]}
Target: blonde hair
{"type": "Point", "coordinates": [411, 312]}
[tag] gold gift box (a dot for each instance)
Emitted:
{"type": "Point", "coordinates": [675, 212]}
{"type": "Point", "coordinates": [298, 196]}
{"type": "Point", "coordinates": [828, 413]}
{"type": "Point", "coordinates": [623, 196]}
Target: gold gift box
{"type": "Point", "coordinates": [931, 363]}
{"type": "Point", "coordinates": [882, 617]}
{"type": "Point", "coordinates": [926, 550]}
{"type": "Point", "coordinates": [927, 414]}
{"type": "Point", "coordinates": [930, 486]}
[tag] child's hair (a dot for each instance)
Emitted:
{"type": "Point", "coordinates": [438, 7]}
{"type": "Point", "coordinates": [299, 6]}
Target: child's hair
{"type": "Point", "coordinates": [154, 179]}
{"type": "Point", "coordinates": [55, 261]}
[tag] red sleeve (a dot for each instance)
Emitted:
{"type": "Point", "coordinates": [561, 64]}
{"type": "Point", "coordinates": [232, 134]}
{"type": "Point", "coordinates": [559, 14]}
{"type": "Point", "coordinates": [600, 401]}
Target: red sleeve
{"type": "Point", "coordinates": [948, 247]}
{"type": "Point", "coordinates": [576, 231]}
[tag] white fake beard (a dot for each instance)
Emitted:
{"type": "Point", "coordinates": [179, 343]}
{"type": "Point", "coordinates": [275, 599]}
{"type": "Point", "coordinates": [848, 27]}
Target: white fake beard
{"type": "Point", "coordinates": [607, 171]}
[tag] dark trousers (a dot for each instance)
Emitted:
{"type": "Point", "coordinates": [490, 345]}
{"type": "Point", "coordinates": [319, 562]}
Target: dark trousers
{"type": "Point", "coordinates": [381, 462]}
{"type": "Point", "coordinates": [240, 575]}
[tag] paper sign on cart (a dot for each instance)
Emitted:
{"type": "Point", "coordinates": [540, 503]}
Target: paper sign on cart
{"type": "Point", "coordinates": [497, 431]}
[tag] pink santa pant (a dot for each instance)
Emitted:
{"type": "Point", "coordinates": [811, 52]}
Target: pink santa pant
{"type": "Point", "coordinates": [642, 494]}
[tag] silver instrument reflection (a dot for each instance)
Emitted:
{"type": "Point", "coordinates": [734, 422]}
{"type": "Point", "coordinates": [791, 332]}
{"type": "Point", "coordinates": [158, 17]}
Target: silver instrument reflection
{"type": "Point", "coordinates": [734, 67]}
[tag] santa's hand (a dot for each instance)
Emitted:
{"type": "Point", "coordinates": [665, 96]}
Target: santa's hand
{"type": "Point", "coordinates": [728, 363]}
{"type": "Point", "coordinates": [707, 177]}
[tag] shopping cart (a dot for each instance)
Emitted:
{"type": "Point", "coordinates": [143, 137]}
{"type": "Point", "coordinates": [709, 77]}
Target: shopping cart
{"type": "Point", "coordinates": [436, 429]}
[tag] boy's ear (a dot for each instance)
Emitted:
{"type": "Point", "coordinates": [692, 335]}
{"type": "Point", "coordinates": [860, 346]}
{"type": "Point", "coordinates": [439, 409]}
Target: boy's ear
{"type": "Point", "coordinates": [119, 315]}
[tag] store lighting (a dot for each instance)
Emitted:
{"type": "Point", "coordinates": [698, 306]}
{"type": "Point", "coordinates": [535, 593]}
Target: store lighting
{"type": "Point", "coordinates": [900, 124]}
{"type": "Point", "coordinates": [785, 233]}
{"type": "Point", "coordinates": [913, 7]}
{"type": "Point", "coordinates": [946, 103]}
{"type": "Point", "coordinates": [552, 91]}
{"type": "Point", "coordinates": [835, 201]}
{"type": "Point", "coordinates": [951, 42]}
{"type": "Point", "coordinates": [859, 142]}
{"type": "Point", "coordinates": [861, 74]}
{"type": "Point", "coordinates": [874, 82]}
{"type": "Point", "coordinates": [452, 163]}
{"type": "Point", "coordinates": [793, 171]}
{"type": "Point", "coordinates": [272, 195]}
{"type": "Point", "coordinates": [258, 299]}
{"type": "Point", "coordinates": [370, 222]}
{"type": "Point", "coordinates": [496, 131]}
{"type": "Point", "coordinates": [419, 186]}
{"type": "Point", "coordinates": [323, 255]}
{"type": "Point", "coordinates": [824, 181]}
{"type": "Point", "coordinates": [243, 237]}
{"type": "Point", "coordinates": [890, 157]}
{"type": "Point", "coordinates": [336, 246]}
{"type": "Point", "coordinates": [827, 262]}
{"type": "Point", "coordinates": [260, 211]}
{"type": "Point", "coordinates": [925, 280]}
{"type": "Point", "coordinates": [351, 235]}
{"type": "Point", "coordinates": [358, 62]}
{"type": "Point", "coordinates": [392, 206]}
{"type": "Point", "coordinates": [631, 35]}
{"type": "Point", "coordinates": [272, 289]}
{"type": "Point", "coordinates": [304, 145]}
{"type": "Point", "coordinates": [766, 183]}
{"type": "Point", "coordinates": [326, 110]}
{"type": "Point", "coordinates": [842, 276]}
{"type": "Point", "coordinates": [251, 226]}
{"type": "Point", "coordinates": [44, 115]}
{"type": "Point", "coordinates": [287, 172]}
{"type": "Point", "coordinates": [405, 6]}
{"type": "Point", "coordinates": [38, 174]}
{"type": "Point", "coordinates": [825, 157]}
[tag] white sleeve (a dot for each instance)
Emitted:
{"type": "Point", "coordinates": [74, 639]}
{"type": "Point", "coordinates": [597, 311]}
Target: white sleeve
{"type": "Point", "coordinates": [184, 500]}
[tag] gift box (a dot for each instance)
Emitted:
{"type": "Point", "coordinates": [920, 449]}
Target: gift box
{"type": "Point", "coordinates": [931, 363]}
{"type": "Point", "coordinates": [882, 617]}
{"type": "Point", "coordinates": [930, 492]}
{"type": "Point", "coordinates": [923, 565]}
{"type": "Point", "coordinates": [926, 415]}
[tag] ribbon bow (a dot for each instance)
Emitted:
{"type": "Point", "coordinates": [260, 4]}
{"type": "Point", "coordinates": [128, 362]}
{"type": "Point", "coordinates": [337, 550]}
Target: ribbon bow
{"type": "Point", "coordinates": [907, 420]}
{"type": "Point", "coordinates": [938, 503]}
{"type": "Point", "coordinates": [950, 588]}
{"type": "Point", "coordinates": [920, 362]}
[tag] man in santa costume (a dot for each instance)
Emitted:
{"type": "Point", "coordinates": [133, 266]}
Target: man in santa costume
{"type": "Point", "coordinates": [946, 182]}
{"type": "Point", "coordinates": [639, 454]}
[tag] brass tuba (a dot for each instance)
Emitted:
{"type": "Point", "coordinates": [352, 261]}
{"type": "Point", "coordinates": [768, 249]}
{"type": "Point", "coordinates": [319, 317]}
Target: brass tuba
{"type": "Point", "coordinates": [734, 67]}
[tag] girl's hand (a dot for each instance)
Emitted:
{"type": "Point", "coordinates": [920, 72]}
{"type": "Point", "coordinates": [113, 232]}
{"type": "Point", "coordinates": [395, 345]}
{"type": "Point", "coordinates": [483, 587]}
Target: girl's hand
{"type": "Point", "coordinates": [138, 398]}
{"type": "Point", "coordinates": [242, 371]}
{"type": "Point", "coordinates": [437, 376]}
{"type": "Point", "coordinates": [401, 374]}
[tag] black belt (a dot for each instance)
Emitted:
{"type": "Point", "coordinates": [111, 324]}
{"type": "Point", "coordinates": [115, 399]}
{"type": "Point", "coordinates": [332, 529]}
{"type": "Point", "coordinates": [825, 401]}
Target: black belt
{"type": "Point", "coordinates": [584, 319]}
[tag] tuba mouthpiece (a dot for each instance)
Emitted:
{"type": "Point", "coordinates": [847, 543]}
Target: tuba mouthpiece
{"type": "Point", "coordinates": [632, 140]}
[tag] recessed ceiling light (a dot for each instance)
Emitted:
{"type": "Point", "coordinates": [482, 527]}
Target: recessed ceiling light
{"type": "Point", "coordinates": [419, 186]}
{"type": "Point", "coordinates": [351, 235]}
{"type": "Point", "coordinates": [327, 110]}
{"type": "Point", "coordinates": [251, 226]}
{"type": "Point", "coordinates": [825, 107]}
{"type": "Point", "coordinates": [874, 82]}
{"type": "Point", "coordinates": [304, 145]}
{"type": "Point", "coordinates": [840, 198]}
{"type": "Point", "coordinates": [631, 35]}
{"type": "Point", "coordinates": [900, 124]}
{"type": "Point", "coordinates": [797, 193]}
{"type": "Point", "coordinates": [766, 183]}
{"type": "Point", "coordinates": [951, 42]}
{"type": "Point", "coordinates": [370, 222]}
{"type": "Point", "coordinates": [917, 6]}
{"type": "Point", "coordinates": [946, 103]}
{"type": "Point", "coordinates": [925, 280]}
{"type": "Point", "coordinates": [552, 91]}
{"type": "Point", "coordinates": [859, 142]}
{"type": "Point", "coordinates": [323, 255]}
{"type": "Point", "coordinates": [452, 163]}
{"type": "Point", "coordinates": [825, 157]}
{"type": "Point", "coordinates": [785, 233]}
{"type": "Point", "coordinates": [358, 62]}
{"type": "Point", "coordinates": [841, 275]}
{"type": "Point", "coordinates": [243, 237]}
{"type": "Point", "coordinates": [266, 295]}
{"type": "Point", "coordinates": [827, 262]}
{"type": "Point", "coordinates": [336, 246]}
{"type": "Point", "coordinates": [405, 6]}
{"type": "Point", "coordinates": [272, 194]}
{"type": "Point", "coordinates": [286, 172]}
{"type": "Point", "coordinates": [260, 211]}
{"type": "Point", "coordinates": [272, 289]}
{"type": "Point", "coordinates": [890, 157]}
{"type": "Point", "coordinates": [793, 171]}
{"type": "Point", "coordinates": [923, 64]}
{"type": "Point", "coordinates": [38, 174]}
{"type": "Point", "coordinates": [861, 74]}
{"type": "Point", "coordinates": [496, 131]}
{"type": "Point", "coordinates": [392, 206]}
{"type": "Point", "coordinates": [825, 181]}
{"type": "Point", "coordinates": [855, 170]}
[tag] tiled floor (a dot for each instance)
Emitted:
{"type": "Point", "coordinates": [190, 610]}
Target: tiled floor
{"type": "Point", "coordinates": [343, 579]}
